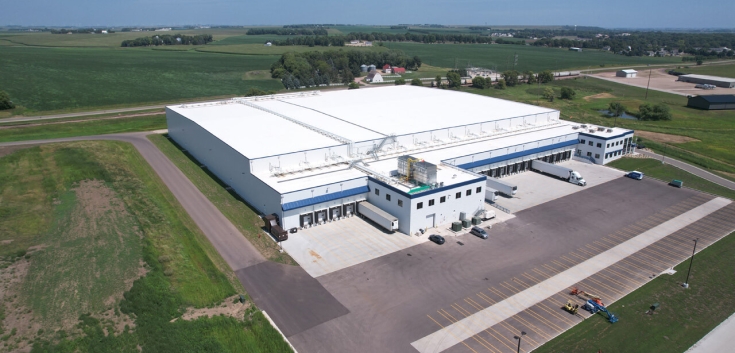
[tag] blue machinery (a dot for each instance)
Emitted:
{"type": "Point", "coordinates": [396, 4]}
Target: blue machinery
{"type": "Point", "coordinates": [593, 307]}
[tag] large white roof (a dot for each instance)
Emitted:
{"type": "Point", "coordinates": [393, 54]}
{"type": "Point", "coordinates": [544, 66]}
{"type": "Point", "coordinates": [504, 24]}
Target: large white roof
{"type": "Point", "coordinates": [357, 115]}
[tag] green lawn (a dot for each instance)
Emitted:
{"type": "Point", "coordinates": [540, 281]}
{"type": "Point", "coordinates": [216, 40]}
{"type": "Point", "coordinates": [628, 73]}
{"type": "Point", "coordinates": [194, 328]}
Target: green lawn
{"type": "Point", "coordinates": [51, 130]}
{"type": "Point", "coordinates": [72, 79]}
{"type": "Point", "coordinates": [93, 240]}
{"type": "Point", "coordinates": [230, 204]}
{"type": "Point", "coordinates": [500, 56]}
{"type": "Point", "coordinates": [712, 129]}
{"type": "Point", "coordinates": [714, 70]}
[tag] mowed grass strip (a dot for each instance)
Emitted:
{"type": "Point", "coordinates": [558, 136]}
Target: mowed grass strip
{"type": "Point", "coordinates": [46, 201]}
{"type": "Point", "coordinates": [52, 130]}
{"type": "Point", "coordinates": [244, 217]}
{"type": "Point", "coordinates": [72, 79]}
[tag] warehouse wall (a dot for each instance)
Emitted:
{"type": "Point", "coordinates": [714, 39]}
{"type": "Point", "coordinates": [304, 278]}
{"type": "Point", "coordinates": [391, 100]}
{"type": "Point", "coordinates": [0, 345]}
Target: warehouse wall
{"type": "Point", "coordinates": [224, 162]}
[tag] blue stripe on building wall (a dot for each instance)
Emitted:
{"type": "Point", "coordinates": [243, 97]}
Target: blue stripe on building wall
{"type": "Point", "coordinates": [516, 154]}
{"type": "Point", "coordinates": [324, 198]}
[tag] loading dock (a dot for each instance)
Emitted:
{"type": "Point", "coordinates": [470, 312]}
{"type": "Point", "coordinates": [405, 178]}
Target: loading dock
{"type": "Point", "coordinates": [348, 209]}
{"type": "Point", "coordinates": [335, 212]}
{"type": "Point", "coordinates": [320, 216]}
{"type": "Point", "coordinates": [306, 220]}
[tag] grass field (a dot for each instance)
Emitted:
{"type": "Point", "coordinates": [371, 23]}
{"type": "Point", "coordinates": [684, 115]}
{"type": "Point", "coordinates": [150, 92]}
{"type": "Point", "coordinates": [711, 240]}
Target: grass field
{"type": "Point", "coordinates": [711, 130]}
{"type": "Point", "coordinates": [52, 129]}
{"type": "Point", "coordinates": [92, 217]}
{"type": "Point", "coordinates": [714, 70]}
{"type": "Point", "coordinates": [70, 79]}
{"type": "Point", "coordinates": [260, 49]}
{"type": "Point", "coordinates": [231, 205]}
{"type": "Point", "coordinates": [104, 40]}
{"type": "Point", "coordinates": [529, 58]}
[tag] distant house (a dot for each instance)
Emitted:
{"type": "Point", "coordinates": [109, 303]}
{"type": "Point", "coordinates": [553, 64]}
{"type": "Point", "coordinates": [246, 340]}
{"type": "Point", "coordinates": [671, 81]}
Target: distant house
{"type": "Point", "coordinates": [368, 44]}
{"type": "Point", "coordinates": [386, 68]}
{"type": "Point", "coordinates": [374, 77]}
{"type": "Point", "coordinates": [628, 73]}
{"type": "Point", "coordinates": [399, 70]}
{"type": "Point", "coordinates": [712, 102]}
{"type": "Point", "coordinates": [575, 49]}
{"type": "Point", "coordinates": [268, 44]}
{"type": "Point", "coordinates": [103, 31]}
{"type": "Point", "coordinates": [354, 42]}
{"type": "Point", "coordinates": [606, 48]}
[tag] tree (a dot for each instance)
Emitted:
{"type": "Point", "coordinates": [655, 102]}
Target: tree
{"type": "Point", "coordinates": [417, 62]}
{"type": "Point", "coordinates": [438, 80]}
{"type": "Point", "coordinates": [500, 84]}
{"type": "Point", "coordinates": [479, 82]}
{"type": "Point", "coordinates": [545, 76]}
{"type": "Point", "coordinates": [616, 109]}
{"type": "Point", "coordinates": [510, 77]}
{"type": "Point", "coordinates": [347, 77]}
{"type": "Point", "coordinates": [416, 82]}
{"type": "Point", "coordinates": [400, 82]}
{"type": "Point", "coordinates": [454, 79]}
{"type": "Point", "coordinates": [530, 78]}
{"type": "Point", "coordinates": [549, 94]}
{"type": "Point", "coordinates": [5, 102]}
{"type": "Point", "coordinates": [567, 93]}
{"type": "Point", "coordinates": [353, 85]}
{"type": "Point", "coordinates": [656, 112]}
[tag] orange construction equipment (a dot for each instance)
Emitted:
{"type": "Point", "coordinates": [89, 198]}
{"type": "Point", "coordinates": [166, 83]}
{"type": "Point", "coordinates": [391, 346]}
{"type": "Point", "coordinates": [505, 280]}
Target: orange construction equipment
{"type": "Point", "coordinates": [586, 296]}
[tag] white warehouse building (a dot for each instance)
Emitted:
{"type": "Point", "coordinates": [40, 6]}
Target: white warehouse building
{"type": "Point", "coordinates": [311, 157]}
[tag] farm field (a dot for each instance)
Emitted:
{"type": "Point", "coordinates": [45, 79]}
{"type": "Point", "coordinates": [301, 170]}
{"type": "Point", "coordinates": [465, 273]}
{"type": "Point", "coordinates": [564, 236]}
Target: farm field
{"type": "Point", "coordinates": [103, 40]}
{"type": "Point", "coordinates": [87, 127]}
{"type": "Point", "coordinates": [73, 79]}
{"type": "Point", "coordinates": [714, 70]}
{"type": "Point", "coordinates": [95, 214]}
{"type": "Point", "coordinates": [500, 56]}
{"type": "Point", "coordinates": [260, 49]}
{"type": "Point", "coordinates": [708, 132]}
{"type": "Point", "coordinates": [229, 203]}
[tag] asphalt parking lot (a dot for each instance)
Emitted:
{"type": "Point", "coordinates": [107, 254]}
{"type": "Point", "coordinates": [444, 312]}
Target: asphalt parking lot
{"type": "Point", "coordinates": [402, 297]}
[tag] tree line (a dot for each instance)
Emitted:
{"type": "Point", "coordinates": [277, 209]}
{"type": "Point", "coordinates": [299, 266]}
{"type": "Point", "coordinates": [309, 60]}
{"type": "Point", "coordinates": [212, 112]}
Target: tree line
{"type": "Point", "coordinates": [168, 39]}
{"type": "Point", "coordinates": [80, 31]}
{"type": "Point", "coordinates": [333, 66]}
{"type": "Point", "coordinates": [311, 41]}
{"type": "Point", "coordinates": [287, 31]}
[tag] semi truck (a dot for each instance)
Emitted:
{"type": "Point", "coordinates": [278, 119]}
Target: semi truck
{"type": "Point", "coordinates": [491, 194]}
{"type": "Point", "coordinates": [502, 187]}
{"type": "Point", "coordinates": [380, 217]}
{"type": "Point", "coordinates": [558, 171]}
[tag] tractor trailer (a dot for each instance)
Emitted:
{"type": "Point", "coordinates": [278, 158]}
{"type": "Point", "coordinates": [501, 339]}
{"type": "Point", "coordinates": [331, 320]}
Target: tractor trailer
{"type": "Point", "coordinates": [558, 171]}
{"type": "Point", "coordinates": [501, 186]}
{"type": "Point", "coordinates": [375, 214]}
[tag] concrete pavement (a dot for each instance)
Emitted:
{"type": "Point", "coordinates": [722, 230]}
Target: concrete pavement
{"type": "Point", "coordinates": [692, 169]}
{"type": "Point", "coordinates": [718, 340]}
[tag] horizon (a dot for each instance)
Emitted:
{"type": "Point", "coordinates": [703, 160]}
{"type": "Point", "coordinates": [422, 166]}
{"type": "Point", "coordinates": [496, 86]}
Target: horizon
{"type": "Point", "coordinates": [626, 14]}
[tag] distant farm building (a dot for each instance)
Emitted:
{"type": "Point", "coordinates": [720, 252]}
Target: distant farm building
{"type": "Point", "coordinates": [575, 49]}
{"type": "Point", "coordinates": [386, 68]}
{"type": "Point", "coordinates": [626, 73]}
{"type": "Point", "coordinates": [725, 82]}
{"type": "Point", "coordinates": [712, 102]}
{"type": "Point", "coordinates": [479, 71]}
{"type": "Point", "coordinates": [374, 77]}
{"type": "Point", "coordinates": [399, 70]}
{"type": "Point", "coordinates": [363, 68]}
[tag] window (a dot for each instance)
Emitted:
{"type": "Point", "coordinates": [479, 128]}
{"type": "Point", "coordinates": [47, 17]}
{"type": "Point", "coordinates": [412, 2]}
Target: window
{"type": "Point", "coordinates": [377, 192]}
{"type": "Point", "coordinates": [597, 156]}
{"type": "Point", "coordinates": [458, 195]}
{"type": "Point", "coordinates": [419, 205]}
{"type": "Point", "coordinates": [581, 141]}
{"type": "Point", "coordinates": [400, 203]}
{"type": "Point", "coordinates": [590, 143]}
{"type": "Point", "coordinates": [387, 197]}
{"type": "Point", "coordinates": [478, 190]}
{"type": "Point", "coordinates": [599, 145]}
{"type": "Point", "coordinates": [608, 145]}
{"type": "Point", "coordinates": [431, 202]}
{"type": "Point", "coordinates": [468, 192]}
{"type": "Point", "coordinates": [442, 199]}
{"type": "Point", "coordinates": [589, 154]}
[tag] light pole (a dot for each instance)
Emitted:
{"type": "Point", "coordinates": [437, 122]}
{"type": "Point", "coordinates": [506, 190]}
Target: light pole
{"type": "Point", "coordinates": [686, 283]}
{"type": "Point", "coordinates": [649, 81]}
{"type": "Point", "coordinates": [523, 333]}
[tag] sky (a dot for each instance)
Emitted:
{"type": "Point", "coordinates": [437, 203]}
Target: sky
{"type": "Point", "coordinates": [609, 14]}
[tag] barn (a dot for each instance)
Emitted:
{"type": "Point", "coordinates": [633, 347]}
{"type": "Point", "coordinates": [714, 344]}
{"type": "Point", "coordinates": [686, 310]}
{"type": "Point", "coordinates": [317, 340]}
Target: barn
{"type": "Point", "coordinates": [628, 73]}
{"type": "Point", "coordinates": [712, 102]}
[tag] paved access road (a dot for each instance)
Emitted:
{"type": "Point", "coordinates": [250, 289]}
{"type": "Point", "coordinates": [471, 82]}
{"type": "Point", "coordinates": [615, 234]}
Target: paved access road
{"type": "Point", "coordinates": [269, 284]}
{"type": "Point", "coordinates": [692, 169]}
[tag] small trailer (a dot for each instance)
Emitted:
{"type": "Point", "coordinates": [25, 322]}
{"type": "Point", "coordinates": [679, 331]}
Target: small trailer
{"type": "Point", "coordinates": [380, 217]}
{"type": "Point", "coordinates": [558, 171]}
{"type": "Point", "coordinates": [502, 187]}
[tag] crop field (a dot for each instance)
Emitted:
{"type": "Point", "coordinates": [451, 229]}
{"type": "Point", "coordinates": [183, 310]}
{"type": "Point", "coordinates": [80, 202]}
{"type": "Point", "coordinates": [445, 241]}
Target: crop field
{"type": "Point", "coordinates": [709, 132]}
{"type": "Point", "coordinates": [97, 256]}
{"type": "Point", "coordinates": [104, 40]}
{"type": "Point", "coordinates": [501, 56]}
{"type": "Point", "coordinates": [56, 129]}
{"type": "Point", "coordinates": [66, 79]}
{"type": "Point", "coordinates": [714, 70]}
{"type": "Point", "coordinates": [260, 49]}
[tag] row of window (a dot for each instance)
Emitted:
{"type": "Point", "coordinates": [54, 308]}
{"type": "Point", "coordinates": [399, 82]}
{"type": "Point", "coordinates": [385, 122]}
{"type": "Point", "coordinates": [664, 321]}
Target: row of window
{"type": "Point", "coordinates": [615, 143]}
{"type": "Point", "coordinates": [599, 145]}
{"type": "Point", "coordinates": [613, 154]}
{"type": "Point", "coordinates": [442, 199]}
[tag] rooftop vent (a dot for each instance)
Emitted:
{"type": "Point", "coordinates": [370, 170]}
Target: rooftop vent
{"type": "Point", "coordinates": [600, 128]}
{"type": "Point", "coordinates": [592, 130]}
{"type": "Point", "coordinates": [575, 127]}
{"type": "Point", "coordinates": [609, 130]}
{"type": "Point", "coordinates": [584, 126]}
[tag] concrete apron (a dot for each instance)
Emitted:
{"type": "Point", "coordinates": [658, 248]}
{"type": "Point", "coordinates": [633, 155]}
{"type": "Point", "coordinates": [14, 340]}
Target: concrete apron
{"type": "Point", "coordinates": [476, 323]}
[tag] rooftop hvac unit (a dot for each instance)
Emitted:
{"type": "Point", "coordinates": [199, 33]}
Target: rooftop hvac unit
{"type": "Point", "coordinates": [600, 128]}
{"type": "Point", "coordinates": [575, 127]}
{"type": "Point", "coordinates": [592, 130]}
{"type": "Point", "coordinates": [609, 130]}
{"type": "Point", "coordinates": [584, 126]}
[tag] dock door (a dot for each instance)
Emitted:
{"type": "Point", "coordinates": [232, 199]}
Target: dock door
{"type": "Point", "coordinates": [430, 221]}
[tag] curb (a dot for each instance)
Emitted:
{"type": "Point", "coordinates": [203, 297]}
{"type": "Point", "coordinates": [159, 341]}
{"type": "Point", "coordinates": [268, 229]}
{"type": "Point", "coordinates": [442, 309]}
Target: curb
{"type": "Point", "coordinates": [279, 330]}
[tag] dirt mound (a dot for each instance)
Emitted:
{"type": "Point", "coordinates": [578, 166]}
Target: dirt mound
{"type": "Point", "coordinates": [599, 96]}
{"type": "Point", "coordinates": [664, 138]}
{"type": "Point", "coordinates": [229, 307]}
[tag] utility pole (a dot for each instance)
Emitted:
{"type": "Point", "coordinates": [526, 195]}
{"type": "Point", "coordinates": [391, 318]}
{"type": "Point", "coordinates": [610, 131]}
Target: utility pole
{"type": "Point", "coordinates": [649, 82]}
{"type": "Point", "coordinates": [686, 283]}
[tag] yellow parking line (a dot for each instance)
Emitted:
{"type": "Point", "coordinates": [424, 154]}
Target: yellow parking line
{"type": "Point", "coordinates": [614, 280]}
{"type": "Point", "coordinates": [517, 317]}
{"type": "Point", "coordinates": [464, 328]}
{"type": "Point", "coordinates": [541, 306]}
{"type": "Point", "coordinates": [503, 323]}
{"type": "Point", "coordinates": [455, 337]}
{"type": "Point", "coordinates": [466, 313]}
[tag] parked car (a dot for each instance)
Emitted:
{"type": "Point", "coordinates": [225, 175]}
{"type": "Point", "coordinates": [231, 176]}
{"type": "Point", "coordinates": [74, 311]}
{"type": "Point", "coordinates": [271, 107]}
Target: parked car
{"type": "Point", "coordinates": [479, 232]}
{"type": "Point", "coordinates": [437, 239]}
{"type": "Point", "coordinates": [635, 175]}
{"type": "Point", "coordinates": [677, 183]}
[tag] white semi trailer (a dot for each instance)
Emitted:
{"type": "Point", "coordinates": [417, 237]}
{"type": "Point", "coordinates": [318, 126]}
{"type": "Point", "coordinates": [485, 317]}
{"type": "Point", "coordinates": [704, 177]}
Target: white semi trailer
{"type": "Point", "coordinates": [375, 214]}
{"type": "Point", "coordinates": [501, 186]}
{"type": "Point", "coordinates": [558, 171]}
{"type": "Point", "coordinates": [491, 194]}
